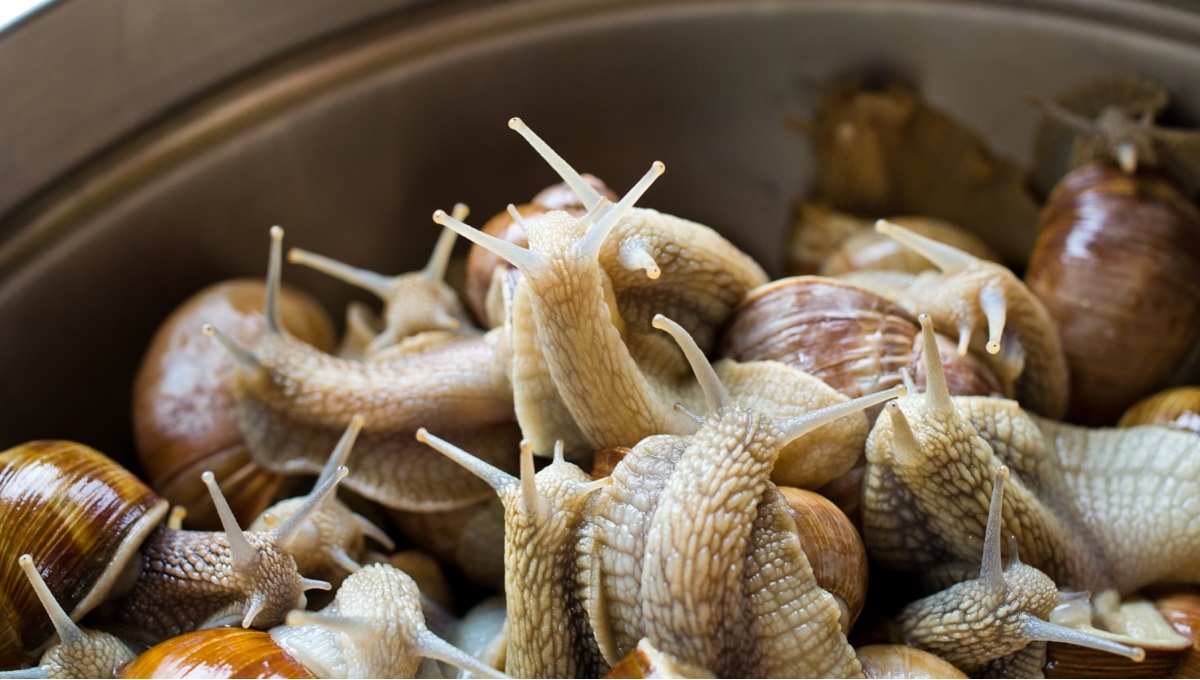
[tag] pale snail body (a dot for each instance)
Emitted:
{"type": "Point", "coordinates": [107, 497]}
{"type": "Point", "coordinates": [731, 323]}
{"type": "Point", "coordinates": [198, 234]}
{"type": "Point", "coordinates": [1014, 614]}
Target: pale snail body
{"type": "Point", "coordinates": [414, 303]}
{"type": "Point", "coordinates": [1094, 509]}
{"type": "Point", "coordinates": [576, 321]}
{"type": "Point", "coordinates": [703, 574]}
{"type": "Point", "coordinates": [373, 628]}
{"type": "Point", "coordinates": [547, 633]}
{"type": "Point", "coordinates": [293, 401]}
{"type": "Point", "coordinates": [999, 619]}
{"type": "Point", "coordinates": [183, 414]}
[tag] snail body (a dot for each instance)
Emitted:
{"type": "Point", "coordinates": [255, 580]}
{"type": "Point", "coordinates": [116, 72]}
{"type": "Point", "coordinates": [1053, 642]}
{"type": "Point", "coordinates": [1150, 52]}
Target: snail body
{"type": "Point", "coordinates": [292, 402]}
{"type": "Point", "coordinates": [183, 413]}
{"type": "Point", "coordinates": [1093, 509]}
{"type": "Point", "coordinates": [649, 557]}
{"type": "Point", "coordinates": [999, 614]}
{"type": "Point", "coordinates": [547, 636]}
{"type": "Point", "coordinates": [575, 324]}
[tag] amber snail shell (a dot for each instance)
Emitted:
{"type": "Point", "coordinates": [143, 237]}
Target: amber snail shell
{"type": "Point", "coordinates": [1178, 408]}
{"type": "Point", "coordinates": [183, 415]}
{"type": "Point", "coordinates": [111, 515]}
{"type": "Point", "coordinates": [1116, 265]}
{"type": "Point", "coordinates": [216, 653]}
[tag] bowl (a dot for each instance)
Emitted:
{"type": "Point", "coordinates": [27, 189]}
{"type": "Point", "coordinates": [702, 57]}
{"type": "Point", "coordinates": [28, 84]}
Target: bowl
{"type": "Point", "coordinates": [351, 129]}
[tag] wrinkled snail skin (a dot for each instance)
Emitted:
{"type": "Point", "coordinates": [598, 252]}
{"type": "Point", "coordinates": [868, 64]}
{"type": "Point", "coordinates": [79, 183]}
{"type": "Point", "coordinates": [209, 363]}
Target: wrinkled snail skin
{"type": "Point", "coordinates": [1135, 489]}
{"type": "Point", "coordinates": [993, 312]}
{"type": "Point", "coordinates": [331, 543]}
{"type": "Point", "coordinates": [998, 614]}
{"type": "Point", "coordinates": [577, 322]}
{"type": "Point", "coordinates": [548, 635]}
{"type": "Point", "coordinates": [927, 448]}
{"type": "Point", "coordinates": [693, 548]}
{"type": "Point", "coordinates": [293, 402]}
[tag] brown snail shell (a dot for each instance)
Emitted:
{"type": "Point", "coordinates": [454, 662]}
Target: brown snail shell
{"type": "Point", "coordinates": [1178, 407]}
{"type": "Point", "coordinates": [1115, 265]}
{"type": "Point", "coordinates": [1181, 607]}
{"type": "Point", "coordinates": [854, 340]}
{"type": "Point", "coordinates": [112, 513]}
{"type": "Point", "coordinates": [183, 416]}
{"type": "Point", "coordinates": [902, 661]}
{"type": "Point", "coordinates": [217, 653]}
{"type": "Point", "coordinates": [833, 547]}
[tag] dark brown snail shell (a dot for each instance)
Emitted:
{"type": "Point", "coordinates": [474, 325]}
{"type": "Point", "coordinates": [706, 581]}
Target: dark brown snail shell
{"type": "Point", "coordinates": [1116, 265]}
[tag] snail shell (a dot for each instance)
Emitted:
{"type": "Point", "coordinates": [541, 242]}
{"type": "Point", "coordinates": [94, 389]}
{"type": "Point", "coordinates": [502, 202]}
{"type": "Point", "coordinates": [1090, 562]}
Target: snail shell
{"type": "Point", "coordinates": [217, 653]}
{"type": "Point", "coordinates": [111, 515]}
{"type": "Point", "coordinates": [1116, 266]}
{"type": "Point", "coordinates": [901, 661]}
{"type": "Point", "coordinates": [183, 416]}
{"type": "Point", "coordinates": [1177, 408]}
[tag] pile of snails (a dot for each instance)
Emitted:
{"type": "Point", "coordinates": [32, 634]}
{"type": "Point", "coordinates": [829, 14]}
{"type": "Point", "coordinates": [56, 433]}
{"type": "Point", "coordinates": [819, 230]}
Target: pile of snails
{"type": "Point", "coordinates": [663, 463]}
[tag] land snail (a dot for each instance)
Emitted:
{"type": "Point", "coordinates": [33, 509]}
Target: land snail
{"type": "Point", "coordinates": [1177, 407]}
{"type": "Point", "coordinates": [560, 513]}
{"type": "Point", "coordinates": [1086, 506]}
{"type": "Point", "coordinates": [1001, 613]}
{"type": "Point", "coordinates": [1123, 222]}
{"type": "Point", "coordinates": [183, 415]}
{"type": "Point", "coordinates": [292, 401]}
{"type": "Point", "coordinates": [414, 302]}
{"type": "Point", "coordinates": [149, 581]}
{"type": "Point", "coordinates": [614, 264]}
{"type": "Point", "coordinates": [373, 628]}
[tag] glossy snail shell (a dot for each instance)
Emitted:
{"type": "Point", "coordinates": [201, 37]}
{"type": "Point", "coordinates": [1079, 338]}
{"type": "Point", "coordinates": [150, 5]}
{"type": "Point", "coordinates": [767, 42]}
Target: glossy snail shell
{"type": "Point", "coordinates": [854, 340]}
{"type": "Point", "coordinates": [1178, 408]}
{"type": "Point", "coordinates": [49, 486]}
{"type": "Point", "coordinates": [902, 661]}
{"type": "Point", "coordinates": [216, 653]}
{"type": "Point", "coordinates": [183, 415]}
{"type": "Point", "coordinates": [1116, 266]}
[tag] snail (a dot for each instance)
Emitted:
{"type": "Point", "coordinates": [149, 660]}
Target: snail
{"type": "Point", "coordinates": [992, 310]}
{"type": "Point", "coordinates": [413, 303]}
{"type": "Point", "coordinates": [1094, 509]}
{"type": "Point", "coordinates": [998, 614]}
{"type": "Point", "coordinates": [693, 548]}
{"type": "Point", "coordinates": [546, 637]}
{"type": "Point", "coordinates": [183, 415]}
{"type": "Point", "coordinates": [79, 652]}
{"type": "Point", "coordinates": [292, 401]}
{"type": "Point", "coordinates": [373, 628]}
{"type": "Point", "coordinates": [645, 661]}
{"type": "Point", "coordinates": [580, 313]}
{"type": "Point", "coordinates": [1118, 248]}
{"type": "Point", "coordinates": [901, 661]}
{"type": "Point", "coordinates": [482, 264]}
{"type": "Point", "coordinates": [151, 580]}
{"type": "Point", "coordinates": [332, 538]}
